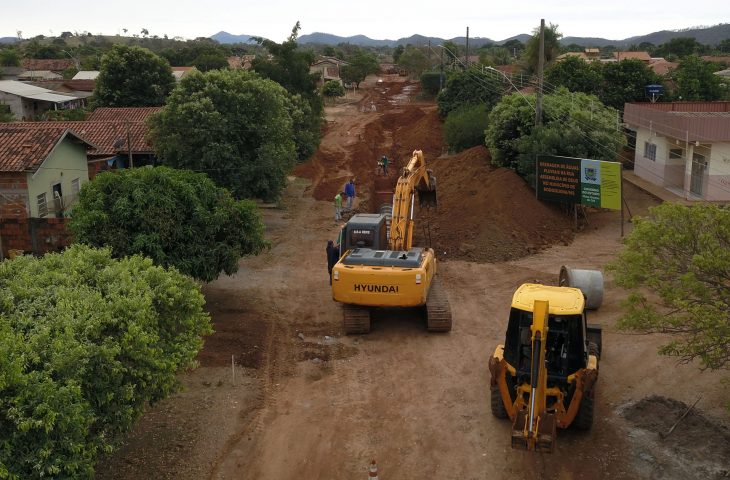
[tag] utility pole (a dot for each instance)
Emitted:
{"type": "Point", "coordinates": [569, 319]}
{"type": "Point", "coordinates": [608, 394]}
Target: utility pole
{"type": "Point", "coordinates": [441, 75]}
{"type": "Point", "coordinates": [467, 47]}
{"type": "Point", "coordinates": [540, 68]}
{"type": "Point", "coordinates": [129, 145]}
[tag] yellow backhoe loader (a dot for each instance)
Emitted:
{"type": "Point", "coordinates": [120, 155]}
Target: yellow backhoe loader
{"type": "Point", "coordinates": [544, 376]}
{"type": "Point", "coordinates": [379, 267]}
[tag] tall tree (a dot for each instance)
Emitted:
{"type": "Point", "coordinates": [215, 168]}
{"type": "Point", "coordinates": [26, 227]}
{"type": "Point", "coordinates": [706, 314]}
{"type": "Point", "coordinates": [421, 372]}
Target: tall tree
{"type": "Point", "coordinates": [696, 80]}
{"type": "Point", "coordinates": [552, 47]}
{"type": "Point", "coordinates": [624, 81]}
{"type": "Point", "coordinates": [231, 124]}
{"type": "Point", "coordinates": [573, 125]}
{"type": "Point", "coordinates": [469, 87]}
{"type": "Point", "coordinates": [576, 75]}
{"type": "Point", "coordinates": [675, 265]}
{"type": "Point", "coordinates": [133, 77]}
{"type": "Point", "coordinates": [177, 218]}
{"type": "Point", "coordinates": [414, 61]}
{"type": "Point", "coordinates": [289, 67]}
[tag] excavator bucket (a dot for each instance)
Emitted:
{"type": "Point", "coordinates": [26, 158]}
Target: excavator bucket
{"type": "Point", "coordinates": [544, 441]}
{"type": "Point", "coordinates": [427, 194]}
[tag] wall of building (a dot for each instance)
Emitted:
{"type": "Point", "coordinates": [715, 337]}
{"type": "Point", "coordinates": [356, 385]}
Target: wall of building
{"type": "Point", "coordinates": [14, 201]}
{"type": "Point", "coordinates": [67, 162]}
{"type": "Point", "coordinates": [15, 103]}
{"type": "Point", "coordinates": [718, 180]}
{"type": "Point", "coordinates": [650, 170]}
{"type": "Point", "coordinates": [34, 235]}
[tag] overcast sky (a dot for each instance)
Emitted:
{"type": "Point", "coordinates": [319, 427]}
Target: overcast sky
{"type": "Point", "coordinates": [612, 19]}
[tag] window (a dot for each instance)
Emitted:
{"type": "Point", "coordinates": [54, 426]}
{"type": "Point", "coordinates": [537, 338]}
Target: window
{"type": "Point", "coordinates": [650, 151]}
{"type": "Point", "coordinates": [42, 205]}
{"type": "Point", "coordinates": [75, 186]}
{"type": "Point", "coordinates": [676, 153]}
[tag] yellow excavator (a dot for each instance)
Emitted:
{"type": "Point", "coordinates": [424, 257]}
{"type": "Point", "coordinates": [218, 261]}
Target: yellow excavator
{"type": "Point", "coordinates": [544, 376]}
{"type": "Point", "coordinates": [380, 268]}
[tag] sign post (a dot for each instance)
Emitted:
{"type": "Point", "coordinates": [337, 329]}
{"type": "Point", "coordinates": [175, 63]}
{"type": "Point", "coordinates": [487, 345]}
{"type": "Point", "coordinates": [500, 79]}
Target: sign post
{"type": "Point", "coordinates": [580, 181]}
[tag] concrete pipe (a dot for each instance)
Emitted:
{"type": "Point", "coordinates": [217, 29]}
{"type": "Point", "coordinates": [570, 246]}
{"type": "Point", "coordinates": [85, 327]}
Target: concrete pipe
{"type": "Point", "coordinates": [590, 282]}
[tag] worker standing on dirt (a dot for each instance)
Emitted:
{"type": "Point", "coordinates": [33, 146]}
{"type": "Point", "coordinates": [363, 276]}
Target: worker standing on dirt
{"type": "Point", "coordinates": [384, 164]}
{"type": "Point", "coordinates": [338, 206]}
{"type": "Point", "coordinates": [331, 257]}
{"type": "Point", "coordinates": [350, 193]}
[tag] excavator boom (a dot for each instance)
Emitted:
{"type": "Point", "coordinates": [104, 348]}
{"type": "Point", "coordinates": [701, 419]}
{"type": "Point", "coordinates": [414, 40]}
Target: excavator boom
{"type": "Point", "coordinates": [415, 177]}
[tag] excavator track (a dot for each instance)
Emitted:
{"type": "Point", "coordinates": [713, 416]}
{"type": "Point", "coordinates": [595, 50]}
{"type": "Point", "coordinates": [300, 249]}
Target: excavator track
{"type": "Point", "coordinates": [438, 310]}
{"type": "Point", "coordinates": [355, 319]}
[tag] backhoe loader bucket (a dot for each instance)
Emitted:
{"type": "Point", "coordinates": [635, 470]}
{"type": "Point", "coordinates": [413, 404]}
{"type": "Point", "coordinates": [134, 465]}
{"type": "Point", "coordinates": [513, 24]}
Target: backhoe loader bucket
{"type": "Point", "coordinates": [545, 439]}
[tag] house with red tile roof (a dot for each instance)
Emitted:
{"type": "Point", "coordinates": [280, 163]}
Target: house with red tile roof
{"type": "Point", "coordinates": [114, 133]}
{"type": "Point", "coordinates": [57, 65]}
{"type": "Point", "coordinates": [122, 114]}
{"type": "Point", "coordinates": [643, 56]}
{"type": "Point", "coordinates": [42, 170]}
{"type": "Point", "coordinates": [180, 72]}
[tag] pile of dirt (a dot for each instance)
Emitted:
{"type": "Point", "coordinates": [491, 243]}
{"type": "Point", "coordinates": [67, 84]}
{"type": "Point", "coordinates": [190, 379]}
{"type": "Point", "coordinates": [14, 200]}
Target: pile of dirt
{"type": "Point", "coordinates": [697, 448]}
{"type": "Point", "coordinates": [486, 214]}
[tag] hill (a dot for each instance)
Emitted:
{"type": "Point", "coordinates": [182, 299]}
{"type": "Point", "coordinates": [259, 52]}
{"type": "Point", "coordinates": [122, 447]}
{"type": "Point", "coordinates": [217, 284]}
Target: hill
{"type": "Point", "coordinates": [225, 37]}
{"type": "Point", "coordinates": [707, 35]}
{"type": "Point", "coordinates": [8, 39]}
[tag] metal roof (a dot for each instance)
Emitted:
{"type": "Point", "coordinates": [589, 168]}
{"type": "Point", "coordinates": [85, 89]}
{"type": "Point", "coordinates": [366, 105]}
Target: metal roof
{"type": "Point", "coordinates": [35, 93]}
{"type": "Point", "coordinates": [86, 75]}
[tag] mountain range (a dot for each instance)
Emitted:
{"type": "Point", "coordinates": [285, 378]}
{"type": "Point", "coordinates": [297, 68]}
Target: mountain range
{"type": "Point", "coordinates": [707, 35]}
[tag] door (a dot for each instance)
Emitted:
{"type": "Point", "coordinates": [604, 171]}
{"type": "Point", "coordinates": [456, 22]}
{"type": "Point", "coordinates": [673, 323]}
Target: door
{"type": "Point", "coordinates": [58, 200]}
{"type": "Point", "coordinates": [699, 167]}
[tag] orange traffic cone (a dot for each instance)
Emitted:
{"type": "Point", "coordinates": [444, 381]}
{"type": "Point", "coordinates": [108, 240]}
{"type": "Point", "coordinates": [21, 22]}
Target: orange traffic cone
{"type": "Point", "coordinates": [373, 475]}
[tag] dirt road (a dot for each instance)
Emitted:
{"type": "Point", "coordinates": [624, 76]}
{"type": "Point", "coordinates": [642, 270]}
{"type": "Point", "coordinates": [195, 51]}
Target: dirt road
{"type": "Point", "coordinates": [305, 401]}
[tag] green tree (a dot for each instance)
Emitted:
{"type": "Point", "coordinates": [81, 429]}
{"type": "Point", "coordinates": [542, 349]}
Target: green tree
{"type": "Point", "coordinates": [231, 124]}
{"type": "Point", "coordinates": [675, 264]}
{"type": "Point", "coordinates": [451, 52]}
{"type": "Point", "coordinates": [9, 57]}
{"type": "Point", "coordinates": [624, 81]}
{"type": "Point", "coordinates": [332, 89]}
{"type": "Point", "coordinates": [552, 47]}
{"type": "Point", "coordinates": [133, 77]}
{"type": "Point", "coordinates": [576, 75]}
{"type": "Point", "coordinates": [289, 67]}
{"type": "Point", "coordinates": [464, 127]}
{"type": "Point", "coordinates": [696, 80]}
{"type": "Point", "coordinates": [177, 218]}
{"type": "Point", "coordinates": [361, 65]}
{"type": "Point", "coordinates": [88, 341]}
{"type": "Point", "coordinates": [680, 47]}
{"type": "Point", "coordinates": [430, 82]}
{"type": "Point", "coordinates": [469, 87]}
{"type": "Point", "coordinates": [210, 61]}
{"type": "Point", "coordinates": [573, 125]}
{"type": "Point", "coordinates": [414, 61]}
{"type": "Point", "coordinates": [397, 52]}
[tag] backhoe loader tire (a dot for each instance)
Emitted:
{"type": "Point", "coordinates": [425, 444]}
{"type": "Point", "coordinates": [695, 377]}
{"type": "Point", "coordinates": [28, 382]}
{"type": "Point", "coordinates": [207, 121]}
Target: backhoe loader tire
{"type": "Point", "coordinates": [438, 310]}
{"type": "Point", "coordinates": [355, 319]}
{"type": "Point", "coordinates": [498, 409]}
{"type": "Point", "coordinates": [584, 418]}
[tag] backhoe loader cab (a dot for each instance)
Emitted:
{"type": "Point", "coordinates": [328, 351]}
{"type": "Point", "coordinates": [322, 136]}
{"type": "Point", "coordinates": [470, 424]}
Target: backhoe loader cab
{"type": "Point", "coordinates": [543, 376]}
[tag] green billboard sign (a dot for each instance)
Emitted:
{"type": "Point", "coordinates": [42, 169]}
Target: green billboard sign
{"type": "Point", "coordinates": [594, 183]}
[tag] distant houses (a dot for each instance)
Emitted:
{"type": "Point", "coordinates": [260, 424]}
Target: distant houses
{"type": "Point", "coordinates": [28, 102]}
{"type": "Point", "coordinates": [328, 68]}
{"type": "Point", "coordinates": [42, 169]}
